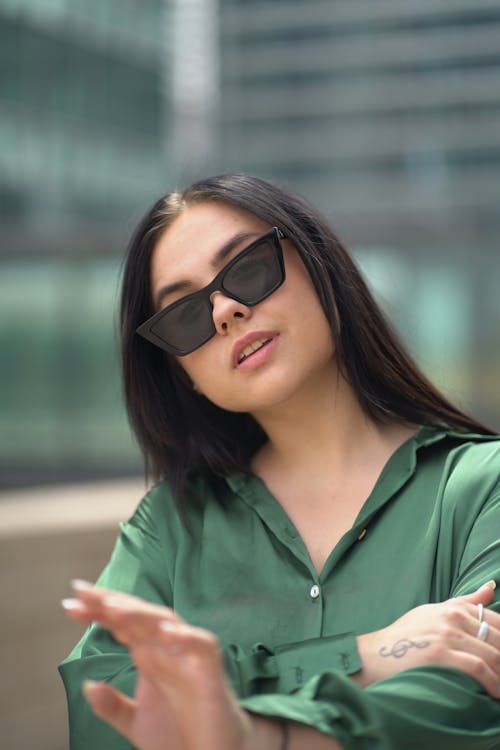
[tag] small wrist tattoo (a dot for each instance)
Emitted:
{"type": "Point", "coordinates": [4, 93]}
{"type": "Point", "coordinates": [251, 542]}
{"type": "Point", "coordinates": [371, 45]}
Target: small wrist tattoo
{"type": "Point", "coordinates": [401, 647]}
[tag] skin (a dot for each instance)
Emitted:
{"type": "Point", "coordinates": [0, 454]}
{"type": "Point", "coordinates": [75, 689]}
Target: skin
{"type": "Point", "coordinates": [323, 452]}
{"type": "Point", "coordinates": [185, 252]}
{"type": "Point", "coordinates": [180, 673]}
{"type": "Point", "coordinates": [319, 438]}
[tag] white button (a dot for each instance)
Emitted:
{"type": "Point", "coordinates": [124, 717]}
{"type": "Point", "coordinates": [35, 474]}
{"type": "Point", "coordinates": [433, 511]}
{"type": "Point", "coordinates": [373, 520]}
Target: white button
{"type": "Point", "coordinates": [314, 592]}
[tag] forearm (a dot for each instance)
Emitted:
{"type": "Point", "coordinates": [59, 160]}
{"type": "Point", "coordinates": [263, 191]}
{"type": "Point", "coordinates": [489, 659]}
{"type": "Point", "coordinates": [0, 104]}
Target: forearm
{"type": "Point", "coordinates": [305, 738]}
{"type": "Point", "coordinates": [273, 734]}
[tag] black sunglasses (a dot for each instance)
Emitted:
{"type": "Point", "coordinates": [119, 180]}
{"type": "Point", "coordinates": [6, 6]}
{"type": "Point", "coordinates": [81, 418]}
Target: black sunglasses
{"type": "Point", "coordinates": [251, 276]}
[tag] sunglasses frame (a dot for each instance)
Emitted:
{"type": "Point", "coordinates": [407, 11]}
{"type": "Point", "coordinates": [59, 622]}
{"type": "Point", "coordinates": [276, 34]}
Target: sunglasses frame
{"type": "Point", "coordinates": [216, 285]}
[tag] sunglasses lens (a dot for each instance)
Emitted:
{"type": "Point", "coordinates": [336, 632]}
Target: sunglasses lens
{"type": "Point", "coordinates": [186, 326]}
{"type": "Point", "coordinates": [251, 277]}
{"type": "Point", "coordinates": [255, 275]}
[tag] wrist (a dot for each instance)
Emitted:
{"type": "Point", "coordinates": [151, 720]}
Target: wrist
{"type": "Point", "coordinates": [280, 734]}
{"type": "Point", "coordinates": [268, 734]}
{"type": "Point", "coordinates": [367, 649]}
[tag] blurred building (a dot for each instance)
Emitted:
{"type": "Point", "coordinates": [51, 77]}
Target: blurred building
{"type": "Point", "coordinates": [83, 109]}
{"type": "Point", "coordinates": [84, 112]}
{"type": "Point", "coordinates": [386, 115]}
{"type": "Point", "coordinates": [388, 108]}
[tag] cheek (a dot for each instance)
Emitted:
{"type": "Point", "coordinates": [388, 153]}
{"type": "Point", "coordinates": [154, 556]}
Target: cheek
{"type": "Point", "coordinates": [205, 375]}
{"type": "Point", "coordinates": [313, 327]}
{"type": "Point", "coordinates": [311, 309]}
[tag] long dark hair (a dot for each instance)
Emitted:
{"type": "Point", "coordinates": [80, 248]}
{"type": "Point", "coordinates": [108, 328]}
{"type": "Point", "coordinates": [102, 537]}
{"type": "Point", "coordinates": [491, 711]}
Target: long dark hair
{"type": "Point", "coordinates": [179, 431]}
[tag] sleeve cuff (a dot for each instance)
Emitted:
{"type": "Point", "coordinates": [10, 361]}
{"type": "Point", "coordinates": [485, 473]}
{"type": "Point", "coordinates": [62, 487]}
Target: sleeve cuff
{"type": "Point", "coordinates": [290, 666]}
{"type": "Point", "coordinates": [297, 663]}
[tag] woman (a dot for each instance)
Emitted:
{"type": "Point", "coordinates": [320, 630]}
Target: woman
{"type": "Point", "coordinates": [311, 574]}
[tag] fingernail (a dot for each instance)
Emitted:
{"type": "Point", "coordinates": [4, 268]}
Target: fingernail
{"type": "Point", "coordinates": [491, 584]}
{"type": "Point", "coordinates": [87, 686]}
{"type": "Point", "coordinates": [71, 604]}
{"type": "Point", "coordinates": [80, 585]}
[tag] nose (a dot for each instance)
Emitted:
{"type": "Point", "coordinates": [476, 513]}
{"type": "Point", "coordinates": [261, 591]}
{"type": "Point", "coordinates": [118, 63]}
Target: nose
{"type": "Point", "coordinates": [226, 311]}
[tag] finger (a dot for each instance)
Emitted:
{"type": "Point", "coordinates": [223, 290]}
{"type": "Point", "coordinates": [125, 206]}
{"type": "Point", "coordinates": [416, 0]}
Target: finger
{"type": "Point", "coordinates": [472, 623]}
{"type": "Point", "coordinates": [479, 669]}
{"type": "Point", "coordinates": [185, 664]}
{"type": "Point", "coordinates": [458, 621]}
{"type": "Point", "coordinates": [133, 622]}
{"type": "Point", "coordinates": [126, 623]}
{"type": "Point", "coordinates": [129, 617]}
{"type": "Point", "coordinates": [482, 657]}
{"type": "Point", "coordinates": [88, 591]}
{"type": "Point", "coordinates": [483, 595]}
{"type": "Point", "coordinates": [187, 650]}
{"type": "Point", "coordinates": [77, 610]}
{"type": "Point", "coordinates": [95, 595]}
{"type": "Point", "coordinates": [187, 639]}
{"type": "Point", "coordinates": [493, 620]}
{"type": "Point", "coordinates": [110, 705]}
{"type": "Point", "coordinates": [92, 594]}
{"type": "Point", "coordinates": [85, 606]}
{"type": "Point", "coordinates": [179, 652]}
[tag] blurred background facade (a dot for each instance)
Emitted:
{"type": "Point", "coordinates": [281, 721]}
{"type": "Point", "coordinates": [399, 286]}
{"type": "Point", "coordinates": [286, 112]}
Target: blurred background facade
{"type": "Point", "coordinates": [385, 113]}
{"type": "Point", "coordinates": [83, 147]}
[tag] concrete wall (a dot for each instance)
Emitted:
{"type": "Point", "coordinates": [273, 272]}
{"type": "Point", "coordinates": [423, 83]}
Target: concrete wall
{"type": "Point", "coordinates": [47, 538]}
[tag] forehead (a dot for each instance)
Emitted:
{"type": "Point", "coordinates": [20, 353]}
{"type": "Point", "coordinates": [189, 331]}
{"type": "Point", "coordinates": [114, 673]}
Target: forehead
{"type": "Point", "coordinates": [196, 235]}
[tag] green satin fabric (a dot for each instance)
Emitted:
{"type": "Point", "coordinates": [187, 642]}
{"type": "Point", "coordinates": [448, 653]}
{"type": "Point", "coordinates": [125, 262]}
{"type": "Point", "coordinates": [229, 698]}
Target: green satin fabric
{"type": "Point", "coordinates": [429, 530]}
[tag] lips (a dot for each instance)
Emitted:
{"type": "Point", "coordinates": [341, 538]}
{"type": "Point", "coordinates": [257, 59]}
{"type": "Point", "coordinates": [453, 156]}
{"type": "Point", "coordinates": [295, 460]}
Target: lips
{"type": "Point", "coordinates": [251, 348]}
{"type": "Point", "coordinates": [249, 344]}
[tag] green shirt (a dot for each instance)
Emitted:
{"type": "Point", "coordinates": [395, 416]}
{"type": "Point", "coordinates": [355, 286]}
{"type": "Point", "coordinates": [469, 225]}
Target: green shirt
{"type": "Point", "coordinates": [429, 530]}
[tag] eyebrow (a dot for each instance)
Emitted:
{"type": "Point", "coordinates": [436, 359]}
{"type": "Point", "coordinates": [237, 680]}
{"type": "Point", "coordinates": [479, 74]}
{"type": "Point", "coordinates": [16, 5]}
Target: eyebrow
{"type": "Point", "coordinates": [215, 264]}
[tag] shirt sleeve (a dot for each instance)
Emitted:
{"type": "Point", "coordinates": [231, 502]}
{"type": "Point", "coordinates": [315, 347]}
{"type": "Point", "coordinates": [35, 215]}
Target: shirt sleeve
{"type": "Point", "coordinates": [134, 567]}
{"type": "Point", "coordinates": [287, 668]}
{"type": "Point", "coordinates": [432, 707]}
{"type": "Point", "coordinates": [307, 682]}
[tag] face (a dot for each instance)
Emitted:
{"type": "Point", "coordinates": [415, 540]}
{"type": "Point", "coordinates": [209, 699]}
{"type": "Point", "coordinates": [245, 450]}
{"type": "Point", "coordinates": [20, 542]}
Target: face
{"type": "Point", "coordinates": [259, 357]}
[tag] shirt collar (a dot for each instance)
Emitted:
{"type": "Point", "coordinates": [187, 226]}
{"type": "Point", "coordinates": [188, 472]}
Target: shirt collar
{"type": "Point", "coordinates": [426, 435]}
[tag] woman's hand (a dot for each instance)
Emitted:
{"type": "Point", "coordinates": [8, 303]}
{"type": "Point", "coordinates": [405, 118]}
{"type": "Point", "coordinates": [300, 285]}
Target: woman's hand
{"type": "Point", "coordinates": [182, 699]}
{"type": "Point", "coordinates": [442, 634]}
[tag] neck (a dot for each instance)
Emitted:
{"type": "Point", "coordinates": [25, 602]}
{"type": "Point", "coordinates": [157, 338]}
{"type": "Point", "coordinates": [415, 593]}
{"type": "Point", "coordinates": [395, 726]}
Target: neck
{"type": "Point", "coordinates": [325, 431]}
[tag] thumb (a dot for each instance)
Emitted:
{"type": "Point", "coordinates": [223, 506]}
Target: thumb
{"type": "Point", "coordinates": [483, 595]}
{"type": "Point", "coordinates": [110, 705]}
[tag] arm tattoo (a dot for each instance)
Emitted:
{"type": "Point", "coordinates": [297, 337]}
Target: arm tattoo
{"type": "Point", "coordinates": [400, 648]}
